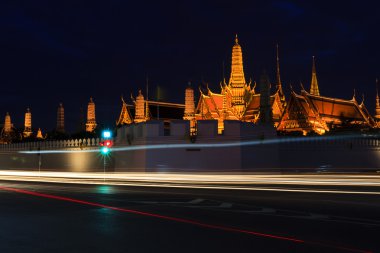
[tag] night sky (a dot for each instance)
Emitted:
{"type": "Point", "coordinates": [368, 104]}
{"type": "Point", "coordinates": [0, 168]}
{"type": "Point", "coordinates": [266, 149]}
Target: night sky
{"type": "Point", "coordinates": [67, 51]}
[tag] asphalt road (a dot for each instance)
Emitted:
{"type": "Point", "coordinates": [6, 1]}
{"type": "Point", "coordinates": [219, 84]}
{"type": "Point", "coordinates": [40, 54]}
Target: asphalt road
{"type": "Point", "coordinates": [47, 217]}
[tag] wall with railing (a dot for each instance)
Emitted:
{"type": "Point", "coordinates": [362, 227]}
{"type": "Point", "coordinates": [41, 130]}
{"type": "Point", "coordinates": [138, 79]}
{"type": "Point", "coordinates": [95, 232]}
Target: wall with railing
{"type": "Point", "coordinates": [52, 144]}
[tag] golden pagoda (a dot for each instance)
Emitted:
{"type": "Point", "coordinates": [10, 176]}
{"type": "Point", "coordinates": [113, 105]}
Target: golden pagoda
{"type": "Point", "coordinates": [238, 99]}
{"type": "Point", "coordinates": [190, 108]}
{"type": "Point", "coordinates": [27, 124]}
{"type": "Point", "coordinates": [141, 109]}
{"type": "Point", "coordinates": [91, 121]}
{"type": "Point", "coordinates": [8, 126]}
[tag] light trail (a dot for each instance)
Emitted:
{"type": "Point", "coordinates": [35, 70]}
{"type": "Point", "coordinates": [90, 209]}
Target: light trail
{"type": "Point", "coordinates": [183, 220]}
{"type": "Point", "coordinates": [280, 183]}
{"type": "Point", "coordinates": [200, 145]}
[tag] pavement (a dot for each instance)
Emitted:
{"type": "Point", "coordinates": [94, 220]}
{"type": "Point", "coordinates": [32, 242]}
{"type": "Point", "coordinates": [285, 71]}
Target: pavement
{"type": "Point", "coordinates": [257, 216]}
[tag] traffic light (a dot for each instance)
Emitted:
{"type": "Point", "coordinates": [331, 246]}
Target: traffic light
{"type": "Point", "coordinates": [107, 134]}
{"type": "Point", "coordinates": [107, 143]}
{"type": "Point", "coordinates": [105, 150]}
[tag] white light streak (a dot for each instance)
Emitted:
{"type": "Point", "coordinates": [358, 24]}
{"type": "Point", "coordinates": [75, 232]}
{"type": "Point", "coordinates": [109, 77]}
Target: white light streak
{"type": "Point", "coordinates": [253, 182]}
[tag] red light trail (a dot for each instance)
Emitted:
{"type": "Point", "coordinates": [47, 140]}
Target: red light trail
{"type": "Point", "coordinates": [180, 220]}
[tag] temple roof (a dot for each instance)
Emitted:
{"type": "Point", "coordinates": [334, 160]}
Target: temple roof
{"type": "Point", "coordinates": [333, 109]}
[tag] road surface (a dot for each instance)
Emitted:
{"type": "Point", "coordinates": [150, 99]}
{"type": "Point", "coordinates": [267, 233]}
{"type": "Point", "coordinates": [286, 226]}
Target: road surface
{"type": "Point", "coordinates": [63, 217]}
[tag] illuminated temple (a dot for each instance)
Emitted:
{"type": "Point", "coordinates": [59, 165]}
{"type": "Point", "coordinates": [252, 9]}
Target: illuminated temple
{"type": "Point", "coordinates": [309, 112]}
{"type": "Point", "coordinates": [238, 99]}
{"type": "Point", "coordinates": [304, 113]}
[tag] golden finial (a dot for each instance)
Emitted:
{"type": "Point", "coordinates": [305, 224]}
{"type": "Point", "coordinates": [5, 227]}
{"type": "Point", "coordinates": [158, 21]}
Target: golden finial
{"type": "Point", "coordinates": [302, 88]}
{"type": "Point", "coordinates": [354, 95]}
{"type": "Point", "coordinates": [236, 40]}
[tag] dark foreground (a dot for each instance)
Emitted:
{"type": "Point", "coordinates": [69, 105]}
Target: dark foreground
{"type": "Point", "coordinates": [209, 220]}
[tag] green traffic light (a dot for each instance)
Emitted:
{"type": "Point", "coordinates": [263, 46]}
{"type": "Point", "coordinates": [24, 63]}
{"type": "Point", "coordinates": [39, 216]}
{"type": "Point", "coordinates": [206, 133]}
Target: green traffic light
{"type": "Point", "coordinates": [105, 150]}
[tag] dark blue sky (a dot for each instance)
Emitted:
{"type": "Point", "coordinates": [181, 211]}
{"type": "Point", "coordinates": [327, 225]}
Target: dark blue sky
{"type": "Point", "coordinates": [67, 51]}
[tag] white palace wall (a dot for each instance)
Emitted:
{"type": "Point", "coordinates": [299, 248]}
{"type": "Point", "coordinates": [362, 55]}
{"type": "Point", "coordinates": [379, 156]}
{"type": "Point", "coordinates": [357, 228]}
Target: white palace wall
{"type": "Point", "coordinates": [148, 147]}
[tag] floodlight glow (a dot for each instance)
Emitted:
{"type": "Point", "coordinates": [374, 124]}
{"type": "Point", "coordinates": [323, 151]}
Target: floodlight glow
{"type": "Point", "coordinates": [106, 134]}
{"type": "Point", "coordinates": [105, 150]}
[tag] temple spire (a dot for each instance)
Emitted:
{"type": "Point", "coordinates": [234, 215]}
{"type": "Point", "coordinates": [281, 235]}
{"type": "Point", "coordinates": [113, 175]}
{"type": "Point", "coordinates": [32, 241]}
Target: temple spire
{"type": "Point", "coordinates": [377, 94]}
{"type": "Point", "coordinates": [278, 77]}
{"type": "Point", "coordinates": [314, 89]}
{"type": "Point", "coordinates": [377, 109]}
{"type": "Point", "coordinates": [28, 124]}
{"type": "Point", "coordinates": [237, 81]}
{"type": "Point", "coordinates": [91, 121]}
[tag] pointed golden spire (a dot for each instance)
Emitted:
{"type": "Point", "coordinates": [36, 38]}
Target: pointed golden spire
{"type": "Point", "coordinates": [377, 109]}
{"type": "Point", "coordinates": [91, 119]}
{"type": "Point", "coordinates": [7, 124]}
{"type": "Point", "coordinates": [237, 81]}
{"type": "Point", "coordinates": [354, 95]}
{"type": "Point", "coordinates": [314, 89]}
{"type": "Point", "coordinates": [302, 88]}
{"type": "Point", "coordinates": [28, 123]}
{"type": "Point", "coordinates": [278, 77]}
{"type": "Point", "coordinates": [377, 94]}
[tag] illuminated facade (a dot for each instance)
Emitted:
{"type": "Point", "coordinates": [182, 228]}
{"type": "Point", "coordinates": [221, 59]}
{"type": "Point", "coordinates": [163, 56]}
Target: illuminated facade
{"type": "Point", "coordinates": [309, 112]}
{"type": "Point", "coordinates": [91, 121]}
{"type": "Point", "coordinates": [238, 99]}
{"type": "Point", "coordinates": [60, 119]}
{"type": "Point", "coordinates": [27, 124]}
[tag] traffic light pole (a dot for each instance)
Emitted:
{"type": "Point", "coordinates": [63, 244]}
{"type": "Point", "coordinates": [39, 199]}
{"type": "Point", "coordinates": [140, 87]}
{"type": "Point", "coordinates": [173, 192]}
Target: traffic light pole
{"type": "Point", "coordinates": [104, 168]}
{"type": "Point", "coordinates": [106, 149]}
